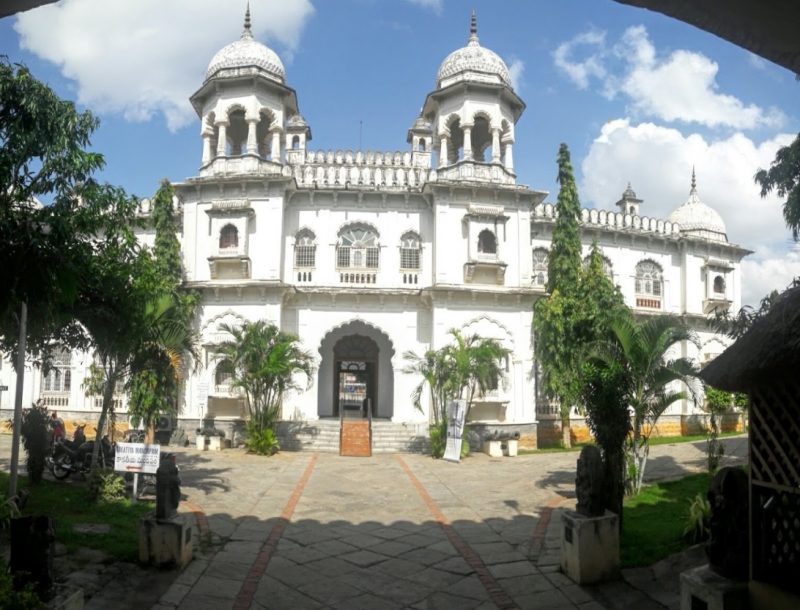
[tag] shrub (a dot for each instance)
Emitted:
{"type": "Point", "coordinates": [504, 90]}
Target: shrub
{"type": "Point", "coordinates": [438, 436]}
{"type": "Point", "coordinates": [261, 441]}
{"type": "Point", "coordinates": [36, 439]}
{"type": "Point", "coordinates": [26, 599]}
{"type": "Point", "coordinates": [8, 510]}
{"type": "Point", "coordinates": [696, 529]}
{"type": "Point", "coordinates": [106, 486]}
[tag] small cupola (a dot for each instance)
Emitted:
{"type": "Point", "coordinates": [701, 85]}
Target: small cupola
{"type": "Point", "coordinates": [629, 203]}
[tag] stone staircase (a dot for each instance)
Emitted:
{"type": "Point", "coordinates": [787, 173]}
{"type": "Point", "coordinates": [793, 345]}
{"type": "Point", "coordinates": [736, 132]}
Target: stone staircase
{"type": "Point", "coordinates": [323, 436]}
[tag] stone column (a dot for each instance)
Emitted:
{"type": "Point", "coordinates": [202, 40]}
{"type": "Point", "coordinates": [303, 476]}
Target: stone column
{"type": "Point", "coordinates": [206, 148]}
{"type": "Point", "coordinates": [509, 155]}
{"type": "Point", "coordinates": [442, 151]}
{"type": "Point", "coordinates": [252, 142]}
{"type": "Point", "coordinates": [222, 138]}
{"type": "Point", "coordinates": [275, 150]}
{"type": "Point", "coordinates": [467, 129]}
{"type": "Point", "coordinates": [495, 145]}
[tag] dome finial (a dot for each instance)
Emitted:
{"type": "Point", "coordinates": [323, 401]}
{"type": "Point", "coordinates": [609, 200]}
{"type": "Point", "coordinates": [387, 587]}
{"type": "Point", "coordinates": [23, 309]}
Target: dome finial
{"type": "Point", "coordinates": [473, 27]}
{"type": "Point", "coordinates": [247, 33]}
{"type": "Point", "coordinates": [694, 181]}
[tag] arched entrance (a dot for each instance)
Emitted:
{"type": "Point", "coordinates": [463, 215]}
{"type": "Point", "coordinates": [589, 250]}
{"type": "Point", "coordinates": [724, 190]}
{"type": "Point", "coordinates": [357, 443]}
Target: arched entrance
{"type": "Point", "coordinates": [355, 376]}
{"type": "Point", "coordinates": [356, 364]}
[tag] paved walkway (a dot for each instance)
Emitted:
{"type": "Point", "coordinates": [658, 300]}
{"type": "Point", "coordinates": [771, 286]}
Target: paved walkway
{"type": "Point", "coordinates": [398, 531]}
{"type": "Point", "coordinates": [394, 531]}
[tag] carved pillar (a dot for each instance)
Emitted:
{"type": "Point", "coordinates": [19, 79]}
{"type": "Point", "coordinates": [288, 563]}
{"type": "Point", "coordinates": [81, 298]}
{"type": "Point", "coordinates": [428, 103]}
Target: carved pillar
{"type": "Point", "coordinates": [222, 138]}
{"type": "Point", "coordinates": [275, 150]}
{"type": "Point", "coordinates": [467, 129]}
{"type": "Point", "coordinates": [495, 145]}
{"type": "Point", "coordinates": [442, 151]}
{"type": "Point", "coordinates": [252, 142]}
{"type": "Point", "coordinates": [206, 148]}
{"type": "Point", "coordinates": [509, 155]}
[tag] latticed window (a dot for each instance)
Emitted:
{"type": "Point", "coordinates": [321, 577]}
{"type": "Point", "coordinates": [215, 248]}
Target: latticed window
{"type": "Point", "coordinates": [59, 377]}
{"type": "Point", "coordinates": [649, 284]}
{"type": "Point", "coordinates": [409, 252]}
{"type": "Point", "coordinates": [228, 237]}
{"type": "Point", "coordinates": [304, 250]}
{"type": "Point", "coordinates": [541, 258]}
{"type": "Point", "coordinates": [719, 285]}
{"type": "Point", "coordinates": [224, 373]}
{"type": "Point", "coordinates": [358, 248]}
{"type": "Point", "coordinates": [487, 242]}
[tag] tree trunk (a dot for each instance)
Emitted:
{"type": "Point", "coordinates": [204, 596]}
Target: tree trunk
{"type": "Point", "coordinates": [108, 397]}
{"type": "Point", "coordinates": [615, 482]}
{"type": "Point", "coordinates": [566, 433]}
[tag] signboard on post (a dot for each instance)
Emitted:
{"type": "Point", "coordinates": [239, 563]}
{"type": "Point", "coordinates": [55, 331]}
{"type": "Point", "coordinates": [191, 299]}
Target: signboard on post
{"type": "Point", "coordinates": [202, 396]}
{"type": "Point", "coordinates": [456, 412]}
{"type": "Point", "coordinates": [137, 457]}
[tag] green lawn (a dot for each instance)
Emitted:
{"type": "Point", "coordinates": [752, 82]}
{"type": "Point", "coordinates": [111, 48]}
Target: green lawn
{"type": "Point", "coordinates": [653, 521]}
{"type": "Point", "coordinates": [67, 503]}
{"type": "Point", "coordinates": [655, 440]}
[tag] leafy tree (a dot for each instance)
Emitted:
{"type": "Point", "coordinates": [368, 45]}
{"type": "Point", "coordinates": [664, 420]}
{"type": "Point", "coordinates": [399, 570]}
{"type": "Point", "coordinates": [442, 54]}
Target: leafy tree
{"type": "Point", "coordinates": [36, 438]}
{"type": "Point", "coordinates": [716, 404]}
{"type": "Point", "coordinates": [561, 328]}
{"type": "Point", "coordinates": [783, 177]}
{"type": "Point", "coordinates": [266, 363]}
{"type": "Point", "coordinates": [640, 349]}
{"type": "Point", "coordinates": [154, 385]}
{"type": "Point", "coordinates": [433, 368]}
{"type": "Point", "coordinates": [45, 249]}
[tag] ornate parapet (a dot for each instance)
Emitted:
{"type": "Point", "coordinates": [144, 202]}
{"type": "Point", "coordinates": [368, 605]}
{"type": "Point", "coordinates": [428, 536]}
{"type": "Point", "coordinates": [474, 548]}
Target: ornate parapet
{"type": "Point", "coordinates": [612, 220]}
{"type": "Point", "coordinates": [470, 171]}
{"type": "Point", "coordinates": [243, 164]}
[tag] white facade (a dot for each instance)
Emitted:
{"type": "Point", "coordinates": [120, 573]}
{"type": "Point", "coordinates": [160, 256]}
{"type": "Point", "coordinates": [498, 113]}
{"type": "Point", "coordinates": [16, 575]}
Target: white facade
{"type": "Point", "coordinates": [399, 247]}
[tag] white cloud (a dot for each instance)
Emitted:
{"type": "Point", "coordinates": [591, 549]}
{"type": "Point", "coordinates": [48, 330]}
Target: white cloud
{"type": "Point", "coordinates": [579, 71]}
{"type": "Point", "coordinates": [147, 57]}
{"type": "Point", "coordinates": [767, 270]}
{"type": "Point", "coordinates": [658, 161]}
{"type": "Point", "coordinates": [516, 68]}
{"type": "Point", "coordinates": [680, 87]}
{"type": "Point", "coordinates": [433, 5]}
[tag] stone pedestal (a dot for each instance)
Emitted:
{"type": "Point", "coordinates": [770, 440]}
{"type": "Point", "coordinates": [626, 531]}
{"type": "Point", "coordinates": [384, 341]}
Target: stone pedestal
{"type": "Point", "coordinates": [200, 441]}
{"type": "Point", "coordinates": [511, 447]}
{"type": "Point", "coordinates": [703, 588]}
{"type": "Point", "coordinates": [165, 542]}
{"type": "Point", "coordinates": [215, 443]}
{"type": "Point", "coordinates": [590, 547]}
{"type": "Point", "coordinates": [493, 448]}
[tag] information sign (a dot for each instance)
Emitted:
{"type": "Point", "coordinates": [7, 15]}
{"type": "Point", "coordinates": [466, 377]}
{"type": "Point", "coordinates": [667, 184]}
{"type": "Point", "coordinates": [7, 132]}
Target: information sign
{"type": "Point", "coordinates": [455, 430]}
{"type": "Point", "coordinates": [137, 457]}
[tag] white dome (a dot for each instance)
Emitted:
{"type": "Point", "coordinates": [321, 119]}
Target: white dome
{"type": "Point", "coordinates": [696, 218]}
{"type": "Point", "coordinates": [473, 63]}
{"type": "Point", "coordinates": [245, 53]}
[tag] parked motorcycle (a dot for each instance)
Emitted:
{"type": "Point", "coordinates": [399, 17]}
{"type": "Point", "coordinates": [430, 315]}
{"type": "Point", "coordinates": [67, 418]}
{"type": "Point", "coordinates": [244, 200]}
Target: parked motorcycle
{"type": "Point", "coordinates": [69, 457]}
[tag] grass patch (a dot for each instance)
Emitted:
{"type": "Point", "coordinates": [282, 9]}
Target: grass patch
{"type": "Point", "coordinates": [68, 504]}
{"type": "Point", "coordinates": [691, 438]}
{"type": "Point", "coordinates": [653, 522]}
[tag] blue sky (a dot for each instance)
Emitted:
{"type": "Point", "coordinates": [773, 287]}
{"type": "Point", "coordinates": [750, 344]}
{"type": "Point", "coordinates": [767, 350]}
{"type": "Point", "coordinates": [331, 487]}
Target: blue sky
{"type": "Point", "coordinates": [637, 96]}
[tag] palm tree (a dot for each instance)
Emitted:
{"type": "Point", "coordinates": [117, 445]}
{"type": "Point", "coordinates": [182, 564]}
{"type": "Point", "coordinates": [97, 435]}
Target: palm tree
{"type": "Point", "coordinates": [266, 362]}
{"type": "Point", "coordinates": [647, 376]}
{"type": "Point", "coordinates": [475, 365]}
{"type": "Point", "coordinates": [434, 369]}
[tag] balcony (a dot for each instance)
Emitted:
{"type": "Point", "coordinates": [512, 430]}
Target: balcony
{"type": "Point", "coordinates": [226, 390]}
{"type": "Point", "coordinates": [229, 263]}
{"type": "Point", "coordinates": [55, 400]}
{"type": "Point", "coordinates": [648, 302]}
{"type": "Point", "coordinates": [716, 302]}
{"type": "Point", "coordinates": [486, 269]}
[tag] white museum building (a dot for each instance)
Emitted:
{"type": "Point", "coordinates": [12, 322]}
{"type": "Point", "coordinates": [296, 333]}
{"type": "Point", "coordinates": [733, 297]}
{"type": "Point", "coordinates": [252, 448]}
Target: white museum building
{"type": "Point", "coordinates": [367, 255]}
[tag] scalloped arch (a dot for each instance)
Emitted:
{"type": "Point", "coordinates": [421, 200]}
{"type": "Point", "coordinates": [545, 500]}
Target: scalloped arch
{"type": "Point", "coordinates": [484, 317]}
{"type": "Point", "coordinates": [357, 320]}
{"type": "Point", "coordinates": [228, 312]}
{"type": "Point", "coordinates": [351, 223]}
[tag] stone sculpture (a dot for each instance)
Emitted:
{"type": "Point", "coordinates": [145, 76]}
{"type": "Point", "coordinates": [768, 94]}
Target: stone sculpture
{"type": "Point", "coordinates": [589, 483]}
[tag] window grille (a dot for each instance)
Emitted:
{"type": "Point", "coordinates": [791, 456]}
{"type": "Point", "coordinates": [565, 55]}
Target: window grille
{"type": "Point", "coordinates": [410, 252]}
{"type": "Point", "coordinates": [358, 248]}
{"type": "Point", "coordinates": [649, 284]}
{"type": "Point", "coordinates": [305, 250]}
{"type": "Point", "coordinates": [540, 261]}
{"type": "Point", "coordinates": [228, 237]}
{"type": "Point", "coordinates": [59, 377]}
{"type": "Point", "coordinates": [487, 242]}
{"type": "Point", "coordinates": [719, 285]}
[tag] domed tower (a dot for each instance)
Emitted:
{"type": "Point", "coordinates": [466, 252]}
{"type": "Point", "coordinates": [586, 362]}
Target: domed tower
{"type": "Point", "coordinates": [473, 112]}
{"type": "Point", "coordinates": [244, 103]}
{"type": "Point", "coordinates": [629, 203]}
{"type": "Point", "coordinates": [697, 219]}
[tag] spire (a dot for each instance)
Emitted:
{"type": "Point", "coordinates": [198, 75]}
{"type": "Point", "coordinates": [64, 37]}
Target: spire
{"type": "Point", "coordinates": [694, 182]}
{"type": "Point", "coordinates": [473, 27]}
{"type": "Point", "coordinates": [246, 33]}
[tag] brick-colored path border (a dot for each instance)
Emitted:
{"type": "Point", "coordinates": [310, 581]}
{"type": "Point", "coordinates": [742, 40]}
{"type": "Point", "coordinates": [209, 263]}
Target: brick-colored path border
{"type": "Point", "coordinates": [250, 584]}
{"type": "Point", "coordinates": [199, 517]}
{"type": "Point", "coordinates": [537, 541]}
{"type": "Point", "coordinates": [496, 593]}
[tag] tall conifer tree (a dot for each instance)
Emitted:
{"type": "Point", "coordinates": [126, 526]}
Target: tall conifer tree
{"type": "Point", "coordinates": [564, 265]}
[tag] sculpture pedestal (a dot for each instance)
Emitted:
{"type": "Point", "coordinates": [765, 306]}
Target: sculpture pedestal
{"type": "Point", "coordinates": [165, 542]}
{"type": "Point", "coordinates": [590, 547]}
{"type": "Point", "coordinates": [200, 442]}
{"type": "Point", "coordinates": [493, 448]}
{"type": "Point", "coordinates": [215, 443]}
{"type": "Point", "coordinates": [703, 588]}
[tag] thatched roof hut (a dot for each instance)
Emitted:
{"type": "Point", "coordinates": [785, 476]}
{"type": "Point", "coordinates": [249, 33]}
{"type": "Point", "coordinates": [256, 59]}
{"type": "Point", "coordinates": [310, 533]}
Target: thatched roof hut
{"type": "Point", "coordinates": [765, 363]}
{"type": "Point", "coordinates": [770, 348]}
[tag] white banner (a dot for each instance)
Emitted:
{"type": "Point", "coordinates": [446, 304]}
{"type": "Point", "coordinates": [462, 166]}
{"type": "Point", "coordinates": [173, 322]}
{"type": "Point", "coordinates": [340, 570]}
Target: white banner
{"type": "Point", "coordinates": [137, 457]}
{"type": "Point", "coordinates": [202, 397]}
{"type": "Point", "coordinates": [455, 430]}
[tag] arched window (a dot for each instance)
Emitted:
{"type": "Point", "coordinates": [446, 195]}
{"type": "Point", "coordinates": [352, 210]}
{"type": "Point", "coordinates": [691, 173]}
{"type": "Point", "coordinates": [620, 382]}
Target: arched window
{"type": "Point", "coordinates": [296, 143]}
{"type": "Point", "coordinates": [228, 238]}
{"type": "Point", "coordinates": [487, 242]}
{"type": "Point", "coordinates": [58, 377]}
{"type": "Point", "coordinates": [607, 269]}
{"type": "Point", "coordinates": [719, 285]}
{"type": "Point", "coordinates": [223, 376]}
{"type": "Point", "coordinates": [481, 138]}
{"type": "Point", "coordinates": [541, 258]}
{"type": "Point", "coordinates": [409, 252]}
{"type": "Point", "coordinates": [649, 285]}
{"type": "Point", "coordinates": [237, 132]}
{"type": "Point", "coordinates": [304, 250]}
{"type": "Point", "coordinates": [421, 145]}
{"type": "Point", "coordinates": [358, 247]}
